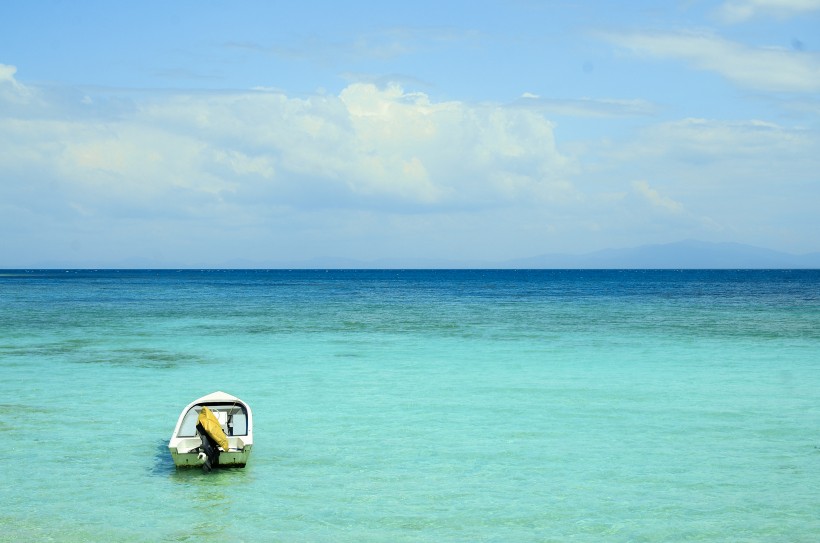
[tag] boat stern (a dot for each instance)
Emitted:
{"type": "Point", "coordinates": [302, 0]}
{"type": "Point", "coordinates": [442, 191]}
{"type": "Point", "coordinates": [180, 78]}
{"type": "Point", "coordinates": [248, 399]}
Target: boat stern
{"type": "Point", "coordinates": [186, 452]}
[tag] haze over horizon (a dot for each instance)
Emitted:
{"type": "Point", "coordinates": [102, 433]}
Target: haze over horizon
{"type": "Point", "coordinates": [195, 134]}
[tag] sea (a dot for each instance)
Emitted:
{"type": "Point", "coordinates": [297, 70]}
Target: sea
{"type": "Point", "coordinates": [415, 405]}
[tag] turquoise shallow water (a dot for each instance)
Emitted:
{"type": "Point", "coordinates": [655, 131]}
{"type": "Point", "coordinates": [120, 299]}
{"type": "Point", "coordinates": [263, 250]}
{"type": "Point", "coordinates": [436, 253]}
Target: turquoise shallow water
{"type": "Point", "coordinates": [415, 406]}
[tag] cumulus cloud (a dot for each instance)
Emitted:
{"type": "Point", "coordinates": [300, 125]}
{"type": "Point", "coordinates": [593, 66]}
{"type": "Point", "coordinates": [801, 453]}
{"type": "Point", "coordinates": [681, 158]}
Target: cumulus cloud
{"type": "Point", "coordinates": [378, 168]}
{"type": "Point", "coordinates": [760, 68]}
{"type": "Point", "coordinates": [367, 148]}
{"type": "Point", "coordinates": [737, 11]}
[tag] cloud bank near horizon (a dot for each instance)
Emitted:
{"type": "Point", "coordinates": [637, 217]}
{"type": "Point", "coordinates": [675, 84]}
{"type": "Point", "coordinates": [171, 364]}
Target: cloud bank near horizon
{"type": "Point", "coordinates": [368, 158]}
{"type": "Point", "coordinates": [372, 170]}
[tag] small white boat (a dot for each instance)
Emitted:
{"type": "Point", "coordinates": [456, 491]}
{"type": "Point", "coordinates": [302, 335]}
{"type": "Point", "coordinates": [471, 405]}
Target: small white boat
{"type": "Point", "coordinates": [196, 443]}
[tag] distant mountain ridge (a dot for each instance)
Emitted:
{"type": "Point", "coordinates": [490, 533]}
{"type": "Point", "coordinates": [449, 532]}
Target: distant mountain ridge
{"type": "Point", "coordinates": [690, 254]}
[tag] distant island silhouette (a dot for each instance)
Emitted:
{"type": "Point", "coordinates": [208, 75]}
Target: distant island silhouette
{"type": "Point", "coordinates": [689, 254]}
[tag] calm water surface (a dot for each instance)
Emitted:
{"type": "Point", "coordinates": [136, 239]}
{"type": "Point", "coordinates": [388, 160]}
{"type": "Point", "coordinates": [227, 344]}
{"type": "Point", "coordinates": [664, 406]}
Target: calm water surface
{"type": "Point", "coordinates": [403, 406]}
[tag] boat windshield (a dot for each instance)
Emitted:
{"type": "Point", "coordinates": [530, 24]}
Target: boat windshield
{"type": "Point", "coordinates": [232, 417]}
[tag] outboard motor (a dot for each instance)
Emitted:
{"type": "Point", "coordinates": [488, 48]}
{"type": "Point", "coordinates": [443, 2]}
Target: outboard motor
{"type": "Point", "coordinates": [210, 450]}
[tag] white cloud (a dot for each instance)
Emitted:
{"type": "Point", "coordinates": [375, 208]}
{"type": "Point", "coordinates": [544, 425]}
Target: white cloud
{"type": "Point", "coordinates": [7, 74]}
{"type": "Point", "coordinates": [697, 178]}
{"type": "Point", "coordinates": [767, 69]}
{"type": "Point", "coordinates": [372, 171]}
{"type": "Point", "coordinates": [368, 148]}
{"type": "Point", "coordinates": [719, 157]}
{"type": "Point", "coordinates": [588, 107]}
{"type": "Point", "coordinates": [387, 44]}
{"type": "Point", "coordinates": [10, 89]}
{"type": "Point", "coordinates": [704, 139]}
{"type": "Point", "coordinates": [656, 199]}
{"type": "Point", "coordinates": [737, 11]}
{"type": "Point", "coordinates": [242, 164]}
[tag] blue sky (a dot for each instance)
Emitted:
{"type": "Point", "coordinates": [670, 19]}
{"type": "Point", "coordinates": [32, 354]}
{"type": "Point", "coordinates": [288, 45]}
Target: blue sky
{"type": "Point", "coordinates": [205, 133]}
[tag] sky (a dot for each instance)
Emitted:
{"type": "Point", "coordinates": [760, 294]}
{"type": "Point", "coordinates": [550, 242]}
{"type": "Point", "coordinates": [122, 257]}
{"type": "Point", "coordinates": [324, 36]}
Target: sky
{"type": "Point", "coordinates": [212, 133]}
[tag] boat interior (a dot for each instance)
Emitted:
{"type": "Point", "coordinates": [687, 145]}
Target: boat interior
{"type": "Point", "coordinates": [231, 416]}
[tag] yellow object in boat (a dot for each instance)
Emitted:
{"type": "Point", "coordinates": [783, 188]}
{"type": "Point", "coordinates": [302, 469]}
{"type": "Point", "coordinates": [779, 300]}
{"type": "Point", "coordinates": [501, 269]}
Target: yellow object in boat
{"type": "Point", "coordinates": [212, 427]}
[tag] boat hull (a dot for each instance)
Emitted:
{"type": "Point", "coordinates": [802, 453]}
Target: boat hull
{"type": "Point", "coordinates": [230, 459]}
